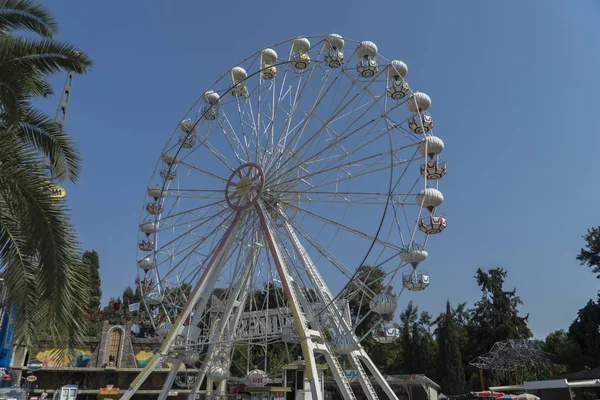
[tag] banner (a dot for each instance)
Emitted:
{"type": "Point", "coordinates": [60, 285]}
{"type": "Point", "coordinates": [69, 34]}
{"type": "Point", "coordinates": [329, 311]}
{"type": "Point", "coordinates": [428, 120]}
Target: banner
{"type": "Point", "coordinates": [351, 374]}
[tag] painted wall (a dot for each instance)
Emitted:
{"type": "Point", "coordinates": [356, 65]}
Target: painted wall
{"type": "Point", "coordinates": [6, 338]}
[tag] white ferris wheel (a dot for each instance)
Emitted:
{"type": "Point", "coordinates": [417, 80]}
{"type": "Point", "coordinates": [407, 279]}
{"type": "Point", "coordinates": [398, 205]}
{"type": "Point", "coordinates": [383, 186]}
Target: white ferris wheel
{"type": "Point", "coordinates": [305, 162]}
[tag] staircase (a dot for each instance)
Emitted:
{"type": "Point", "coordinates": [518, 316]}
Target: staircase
{"type": "Point", "coordinates": [365, 382]}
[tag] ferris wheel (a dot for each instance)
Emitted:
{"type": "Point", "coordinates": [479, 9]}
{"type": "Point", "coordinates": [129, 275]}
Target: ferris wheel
{"type": "Point", "coordinates": [301, 171]}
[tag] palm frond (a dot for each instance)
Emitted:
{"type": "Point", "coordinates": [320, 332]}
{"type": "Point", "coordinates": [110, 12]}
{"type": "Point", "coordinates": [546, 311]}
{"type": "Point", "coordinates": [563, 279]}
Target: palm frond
{"type": "Point", "coordinates": [26, 14]}
{"type": "Point", "coordinates": [46, 56]}
{"type": "Point", "coordinates": [39, 255]}
{"type": "Point", "coordinates": [38, 130]}
{"type": "Point", "coordinates": [18, 86]}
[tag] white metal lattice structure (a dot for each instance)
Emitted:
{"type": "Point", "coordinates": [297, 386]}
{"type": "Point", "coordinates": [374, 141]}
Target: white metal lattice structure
{"type": "Point", "coordinates": [508, 355]}
{"type": "Point", "coordinates": [304, 162]}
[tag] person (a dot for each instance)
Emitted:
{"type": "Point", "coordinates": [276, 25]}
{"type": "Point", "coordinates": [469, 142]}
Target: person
{"type": "Point", "coordinates": [44, 395]}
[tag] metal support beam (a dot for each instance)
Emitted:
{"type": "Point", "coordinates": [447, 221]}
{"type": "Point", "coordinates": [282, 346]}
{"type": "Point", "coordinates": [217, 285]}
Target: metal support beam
{"type": "Point", "coordinates": [223, 246]}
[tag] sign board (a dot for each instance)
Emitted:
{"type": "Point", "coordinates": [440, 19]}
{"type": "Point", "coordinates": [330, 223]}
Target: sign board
{"type": "Point", "coordinates": [109, 391]}
{"type": "Point", "coordinates": [35, 365]}
{"type": "Point", "coordinates": [351, 374]}
{"type": "Point", "coordinates": [265, 323]}
{"type": "Point", "coordinates": [256, 381]}
{"type": "Point", "coordinates": [31, 378]}
{"type": "Point", "coordinates": [56, 192]}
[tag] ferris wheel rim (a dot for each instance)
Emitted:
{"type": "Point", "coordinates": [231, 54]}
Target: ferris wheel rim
{"type": "Point", "coordinates": [166, 184]}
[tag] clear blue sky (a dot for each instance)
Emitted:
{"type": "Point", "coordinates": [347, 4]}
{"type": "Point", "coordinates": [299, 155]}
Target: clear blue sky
{"type": "Point", "coordinates": [514, 87]}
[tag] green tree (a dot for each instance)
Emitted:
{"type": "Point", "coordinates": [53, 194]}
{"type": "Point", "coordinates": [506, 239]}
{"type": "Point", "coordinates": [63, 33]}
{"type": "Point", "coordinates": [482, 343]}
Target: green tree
{"type": "Point", "coordinates": [418, 348]}
{"type": "Point", "coordinates": [494, 318]}
{"type": "Point", "coordinates": [92, 261]}
{"type": "Point", "coordinates": [116, 312]}
{"type": "Point", "coordinates": [387, 356]}
{"type": "Point", "coordinates": [408, 318]}
{"type": "Point", "coordinates": [368, 279]}
{"type": "Point", "coordinates": [585, 333]}
{"type": "Point", "coordinates": [563, 350]}
{"type": "Point", "coordinates": [449, 361]}
{"type": "Point", "coordinates": [590, 254]}
{"type": "Point", "coordinates": [40, 258]}
{"type": "Point", "coordinates": [130, 296]}
{"type": "Point", "coordinates": [424, 346]}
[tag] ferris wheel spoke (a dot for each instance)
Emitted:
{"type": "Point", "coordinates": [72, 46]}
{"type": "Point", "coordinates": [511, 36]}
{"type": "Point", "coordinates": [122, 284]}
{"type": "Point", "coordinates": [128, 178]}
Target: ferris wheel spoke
{"type": "Point", "coordinates": [201, 221]}
{"type": "Point", "coordinates": [175, 268]}
{"type": "Point", "coordinates": [342, 226]}
{"type": "Point", "coordinates": [337, 167]}
{"type": "Point", "coordinates": [192, 248]}
{"type": "Point", "coordinates": [192, 211]}
{"type": "Point", "coordinates": [255, 121]}
{"type": "Point", "coordinates": [281, 142]}
{"type": "Point", "coordinates": [303, 163]}
{"type": "Point", "coordinates": [203, 171]}
{"type": "Point", "coordinates": [181, 222]}
{"type": "Point", "coordinates": [184, 252]}
{"type": "Point", "coordinates": [336, 180]}
{"type": "Point", "coordinates": [344, 135]}
{"type": "Point", "coordinates": [285, 129]}
{"type": "Point", "coordinates": [335, 113]}
{"type": "Point", "coordinates": [208, 194]}
{"type": "Point", "coordinates": [274, 106]}
{"type": "Point", "coordinates": [233, 253]}
{"type": "Point", "coordinates": [204, 141]}
{"type": "Point", "coordinates": [322, 250]}
{"type": "Point", "coordinates": [279, 164]}
{"type": "Point", "coordinates": [230, 138]}
{"type": "Point", "coordinates": [242, 125]}
{"type": "Point", "coordinates": [300, 127]}
{"type": "Point", "coordinates": [347, 197]}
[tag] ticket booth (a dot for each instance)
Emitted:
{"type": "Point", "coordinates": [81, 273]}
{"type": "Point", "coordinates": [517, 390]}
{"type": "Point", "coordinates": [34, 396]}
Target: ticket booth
{"type": "Point", "coordinates": [268, 392]}
{"type": "Point", "coordinates": [294, 377]}
{"type": "Point", "coordinates": [109, 393]}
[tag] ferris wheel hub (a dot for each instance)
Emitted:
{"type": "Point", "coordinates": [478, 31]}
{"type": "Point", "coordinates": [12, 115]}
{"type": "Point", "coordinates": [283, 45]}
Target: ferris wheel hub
{"type": "Point", "coordinates": [244, 187]}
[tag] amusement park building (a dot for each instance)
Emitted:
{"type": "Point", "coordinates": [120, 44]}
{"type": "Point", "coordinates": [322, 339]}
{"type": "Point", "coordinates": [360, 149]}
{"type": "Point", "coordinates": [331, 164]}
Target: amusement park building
{"type": "Point", "coordinates": [406, 387]}
{"type": "Point", "coordinates": [114, 358]}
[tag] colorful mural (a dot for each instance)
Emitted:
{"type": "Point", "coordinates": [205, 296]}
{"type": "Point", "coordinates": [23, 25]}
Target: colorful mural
{"type": "Point", "coordinates": [55, 359]}
{"type": "Point", "coordinates": [142, 358]}
{"type": "Point", "coordinates": [6, 338]}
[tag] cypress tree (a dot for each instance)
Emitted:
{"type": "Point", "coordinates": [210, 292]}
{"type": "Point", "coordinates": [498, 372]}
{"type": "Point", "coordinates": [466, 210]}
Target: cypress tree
{"type": "Point", "coordinates": [449, 360]}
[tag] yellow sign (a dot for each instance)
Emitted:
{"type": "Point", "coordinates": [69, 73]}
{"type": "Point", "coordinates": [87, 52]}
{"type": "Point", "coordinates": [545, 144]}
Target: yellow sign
{"type": "Point", "coordinates": [32, 378]}
{"type": "Point", "coordinates": [108, 391]}
{"type": "Point", "coordinates": [56, 192]}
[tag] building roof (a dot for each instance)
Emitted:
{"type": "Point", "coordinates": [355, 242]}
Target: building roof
{"type": "Point", "coordinates": [586, 374]}
{"type": "Point", "coordinates": [509, 388]}
{"type": "Point", "coordinates": [404, 380]}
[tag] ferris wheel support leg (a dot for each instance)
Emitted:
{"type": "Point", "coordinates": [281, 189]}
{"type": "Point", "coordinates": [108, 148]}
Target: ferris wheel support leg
{"type": "Point", "coordinates": [337, 320]}
{"type": "Point", "coordinates": [168, 384]}
{"type": "Point", "coordinates": [322, 291]}
{"type": "Point", "coordinates": [364, 357]}
{"type": "Point", "coordinates": [236, 300]}
{"type": "Point", "coordinates": [308, 347]}
{"type": "Point", "coordinates": [339, 377]}
{"type": "Point", "coordinates": [196, 293]}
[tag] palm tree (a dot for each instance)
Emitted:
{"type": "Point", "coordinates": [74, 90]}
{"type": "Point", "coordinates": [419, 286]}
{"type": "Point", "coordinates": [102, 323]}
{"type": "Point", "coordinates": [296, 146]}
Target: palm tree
{"type": "Point", "coordinates": [40, 259]}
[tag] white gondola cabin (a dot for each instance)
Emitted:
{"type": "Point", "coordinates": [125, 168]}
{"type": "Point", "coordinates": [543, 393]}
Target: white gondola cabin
{"type": "Point", "coordinates": [416, 280]}
{"type": "Point", "coordinates": [385, 335]}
